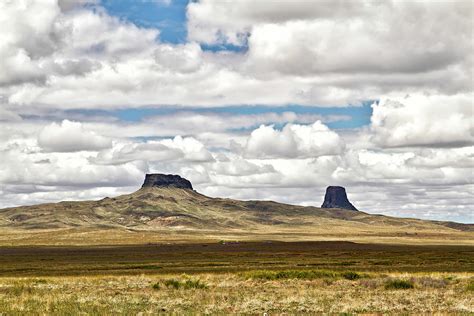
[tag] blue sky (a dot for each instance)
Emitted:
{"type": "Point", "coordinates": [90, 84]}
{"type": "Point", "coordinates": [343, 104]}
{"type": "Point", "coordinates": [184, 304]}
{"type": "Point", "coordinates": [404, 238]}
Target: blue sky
{"type": "Point", "coordinates": [360, 115]}
{"type": "Point", "coordinates": [170, 19]}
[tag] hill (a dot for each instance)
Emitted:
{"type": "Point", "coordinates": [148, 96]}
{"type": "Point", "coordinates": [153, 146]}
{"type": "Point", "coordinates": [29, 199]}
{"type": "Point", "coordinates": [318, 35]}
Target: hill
{"type": "Point", "coordinates": [167, 208]}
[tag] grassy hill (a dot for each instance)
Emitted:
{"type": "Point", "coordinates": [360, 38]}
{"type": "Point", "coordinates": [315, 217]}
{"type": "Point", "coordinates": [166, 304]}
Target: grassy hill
{"type": "Point", "coordinates": [156, 214]}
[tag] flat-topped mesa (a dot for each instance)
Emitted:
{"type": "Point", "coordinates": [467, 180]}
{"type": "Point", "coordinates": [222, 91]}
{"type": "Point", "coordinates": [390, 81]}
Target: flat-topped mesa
{"type": "Point", "coordinates": [336, 197]}
{"type": "Point", "coordinates": [158, 180]}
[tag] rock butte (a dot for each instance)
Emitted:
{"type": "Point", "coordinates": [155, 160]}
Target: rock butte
{"type": "Point", "coordinates": [336, 197]}
{"type": "Point", "coordinates": [166, 181]}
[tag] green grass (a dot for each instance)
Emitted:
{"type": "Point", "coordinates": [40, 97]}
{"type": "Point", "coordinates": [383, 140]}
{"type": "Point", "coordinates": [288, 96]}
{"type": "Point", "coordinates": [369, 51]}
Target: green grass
{"type": "Point", "coordinates": [470, 286]}
{"type": "Point", "coordinates": [399, 284]}
{"type": "Point", "coordinates": [302, 274]}
{"type": "Point", "coordinates": [351, 275]}
{"type": "Point", "coordinates": [290, 274]}
{"type": "Point", "coordinates": [177, 284]}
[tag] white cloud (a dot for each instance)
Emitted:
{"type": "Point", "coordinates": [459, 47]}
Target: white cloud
{"type": "Point", "coordinates": [322, 54]}
{"type": "Point", "coordinates": [293, 141]}
{"type": "Point", "coordinates": [423, 120]}
{"type": "Point", "coordinates": [19, 51]}
{"type": "Point", "coordinates": [181, 149]}
{"type": "Point", "coordinates": [7, 115]}
{"type": "Point", "coordinates": [217, 21]}
{"type": "Point", "coordinates": [307, 38]}
{"type": "Point", "coordinates": [69, 137]}
{"type": "Point", "coordinates": [440, 157]}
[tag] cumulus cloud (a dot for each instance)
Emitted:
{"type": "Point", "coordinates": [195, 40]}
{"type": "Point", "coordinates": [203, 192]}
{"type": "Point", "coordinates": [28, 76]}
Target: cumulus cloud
{"type": "Point", "coordinates": [184, 149]}
{"type": "Point", "coordinates": [293, 141]}
{"type": "Point", "coordinates": [423, 120]}
{"type": "Point", "coordinates": [19, 52]}
{"type": "Point", "coordinates": [231, 22]}
{"type": "Point", "coordinates": [305, 38]}
{"type": "Point", "coordinates": [68, 56]}
{"type": "Point", "coordinates": [7, 115]}
{"type": "Point", "coordinates": [69, 137]}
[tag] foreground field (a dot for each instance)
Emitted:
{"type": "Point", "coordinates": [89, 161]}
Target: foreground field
{"type": "Point", "coordinates": [230, 277]}
{"type": "Point", "coordinates": [240, 293]}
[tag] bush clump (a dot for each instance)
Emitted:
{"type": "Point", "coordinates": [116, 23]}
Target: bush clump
{"type": "Point", "coordinates": [470, 286]}
{"type": "Point", "coordinates": [292, 274]}
{"type": "Point", "coordinates": [194, 284]}
{"type": "Point", "coordinates": [177, 284]}
{"type": "Point", "coordinates": [351, 275]}
{"type": "Point", "coordinates": [399, 285]}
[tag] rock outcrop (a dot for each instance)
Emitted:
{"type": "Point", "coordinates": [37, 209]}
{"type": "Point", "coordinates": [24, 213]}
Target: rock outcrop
{"type": "Point", "coordinates": [336, 197]}
{"type": "Point", "coordinates": [159, 180]}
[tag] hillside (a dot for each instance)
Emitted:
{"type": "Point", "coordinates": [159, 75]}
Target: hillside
{"type": "Point", "coordinates": [160, 212]}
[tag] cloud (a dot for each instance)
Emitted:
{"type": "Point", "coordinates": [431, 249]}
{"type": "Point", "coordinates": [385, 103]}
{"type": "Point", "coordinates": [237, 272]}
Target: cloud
{"type": "Point", "coordinates": [423, 120]}
{"type": "Point", "coordinates": [306, 38]}
{"type": "Point", "coordinates": [6, 115]}
{"type": "Point", "coordinates": [70, 137]}
{"type": "Point", "coordinates": [72, 57]}
{"type": "Point", "coordinates": [19, 52]}
{"type": "Point", "coordinates": [231, 22]}
{"type": "Point", "coordinates": [183, 149]}
{"type": "Point", "coordinates": [293, 141]}
{"type": "Point", "coordinates": [441, 157]}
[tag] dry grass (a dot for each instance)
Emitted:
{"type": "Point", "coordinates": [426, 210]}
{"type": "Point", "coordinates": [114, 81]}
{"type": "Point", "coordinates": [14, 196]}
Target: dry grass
{"type": "Point", "coordinates": [234, 293]}
{"type": "Point", "coordinates": [93, 236]}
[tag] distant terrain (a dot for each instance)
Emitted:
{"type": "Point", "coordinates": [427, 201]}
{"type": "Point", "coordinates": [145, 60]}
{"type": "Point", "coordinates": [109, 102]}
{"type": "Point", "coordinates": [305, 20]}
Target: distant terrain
{"type": "Point", "coordinates": [169, 210]}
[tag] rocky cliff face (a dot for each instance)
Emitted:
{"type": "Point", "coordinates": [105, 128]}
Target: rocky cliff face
{"type": "Point", "coordinates": [166, 181]}
{"type": "Point", "coordinates": [336, 197]}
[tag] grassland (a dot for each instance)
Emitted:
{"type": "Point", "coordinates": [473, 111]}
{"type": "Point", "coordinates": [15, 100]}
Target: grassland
{"type": "Point", "coordinates": [230, 277]}
{"type": "Point", "coordinates": [236, 293]}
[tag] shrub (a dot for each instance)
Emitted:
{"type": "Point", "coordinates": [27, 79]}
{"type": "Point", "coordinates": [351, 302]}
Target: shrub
{"type": "Point", "coordinates": [470, 286]}
{"type": "Point", "coordinates": [351, 275]}
{"type": "Point", "coordinates": [188, 284]}
{"type": "Point", "coordinates": [194, 284]}
{"type": "Point", "coordinates": [291, 274]}
{"type": "Point", "coordinates": [40, 281]}
{"type": "Point", "coordinates": [399, 285]}
{"type": "Point", "coordinates": [172, 283]}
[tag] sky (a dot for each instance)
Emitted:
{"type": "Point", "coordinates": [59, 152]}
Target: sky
{"type": "Point", "coordinates": [272, 100]}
